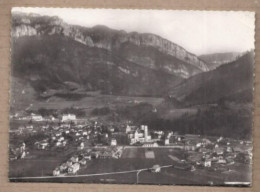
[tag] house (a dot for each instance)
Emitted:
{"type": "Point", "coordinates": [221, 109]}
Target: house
{"type": "Point", "coordinates": [207, 163]}
{"type": "Point", "coordinates": [139, 135]}
{"type": "Point", "coordinates": [219, 151]}
{"type": "Point", "coordinates": [167, 141]}
{"type": "Point", "coordinates": [128, 129]}
{"type": "Point", "coordinates": [58, 134]}
{"type": "Point", "coordinates": [222, 161]}
{"type": "Point", "coordinates": [61, 139]}
{"type": "Point", "coordinates": [35, 117]}
{"type": "Point", "coordinates": [87, 156]}
{"type": "Point", "coordinates": [106, 155]}
{"type": "Point", "coordinates": [81, 146]}
{"type": "Point", "coordinates": [63, 167]}
{"type": "Point", "coordinates": [69, 163]}
{"type": "Point", "coordinates": [112, 129]}
{"type": "Point", "coordinates": [219, 139]}
{"type": "Point", "coordinates": [45, 126]}
{"type": "Point", "coordinates": [95, 154]}
{"type": "Point", "coordinates": [29, 126]}
{"type": "Point", "coordinates": [81, 138]}
{"type": "Point", "coordinates": [205, 142]}
{"type": "Point", "coordinates": [204, 150]}
{"type": "Point", "coordinates": [74, 168]}
{"type": "Point", "coordinates": [229, 149]}
{"type": "Point", "coordinates": [23, 155]}
{"type": "Point", "coordinates": [113, 142]}
{"type": "Point", "coordinates": [85, 133]}
{"type": "Point", "coordinates": [150, 144]}
{"type": "Point", "coordinates": [52, 118]}
{"type": "Point", "coordinates": [230, 161]}
{"type": "Point", "coordinates": [156, 168]}
{"type": "Point", "coordinates": [22, 147]}
{"type": "Point", "coordinates": [159, 132]}
{"type": "Point", "coordinates": [83, 161]}
{"type": "Point", "coordinates": [56, 172]}
{"type": "Point", "coordinates": [42, 144]}
{"type": "Point", "coordinates": [64, 143]}
{"type": "Point", "coordinates": [58, 143]}
{"type": "Point", "coordinates": [190, 147]}
{"type": "Point", "coordinates": [68, 117]}
{"type": "Point", "coordinates": [74, 159]}
{"type": "Point", "coordinates": [169, 135]}
{"type": "Point", "coordinates": [198, 145]}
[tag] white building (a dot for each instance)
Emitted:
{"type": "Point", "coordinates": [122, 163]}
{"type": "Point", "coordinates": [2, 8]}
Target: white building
{"type": "Point", "coordinates": [83, 161]}
{"type": "Point", "coordinates": [85, 133]}
{"type": "Point", "coordinates": [56, 172]}
{"type": "Point", "coordinates": [139, 135]}
{"type": "Point", "coordinates": [128, 129]}
{"type": "Point", "coordinates": [156, 168]}
{"type": "Point", "coordinates": [61, 139]}
{"type": "Point", "coordinates": [150, 144]}
{"type": "Point", "coordinates": [23, 154]}
{"type": "Point", "coordinates": [81, 146]}
{"type": "Point", "coordinates": [36, 117]}
{"type": "Point", "coordinates": [42, 145]}
{"type": "Point", "coordinates": [74, 168]}
{"type": "Point", "coordinates": [207, 163]}
{"type": "Point", "coordinates": [113, 142]}
{"type": "Point", "coordinates": [68, 117]}
{"type": "Point", "coordinates": [74, 159]}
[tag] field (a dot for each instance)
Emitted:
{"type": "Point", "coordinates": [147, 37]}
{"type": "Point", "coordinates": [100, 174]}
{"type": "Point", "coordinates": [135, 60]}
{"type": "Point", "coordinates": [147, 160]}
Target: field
{"type": "Point", "coordinates": [124, 170]}
{"type": "Point", "coordinates": [37, 163]}
{"type": "Point", "coordinates": [94, 101]}
{"type": "Point", "coordinates": [157, 155]}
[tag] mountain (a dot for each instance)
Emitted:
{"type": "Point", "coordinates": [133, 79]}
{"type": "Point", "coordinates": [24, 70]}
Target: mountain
{"type": "Point", "coordinates": [216, 59]}
{"type": "Point", "coordinates": [60, 63]}
{"type": "Point", "coordinates": [148, 50]}
{"type": "Point", "coordinates": [233, 81]}
{"type": "Point", "coordinates": [216, 103]}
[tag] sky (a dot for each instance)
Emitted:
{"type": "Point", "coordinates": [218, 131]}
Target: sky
{"type": "Point", "coordinates": [199, 32]}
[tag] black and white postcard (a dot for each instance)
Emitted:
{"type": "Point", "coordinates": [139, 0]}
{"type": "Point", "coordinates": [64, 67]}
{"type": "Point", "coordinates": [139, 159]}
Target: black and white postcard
{"type": "Point", "coordinates": [124, 96]}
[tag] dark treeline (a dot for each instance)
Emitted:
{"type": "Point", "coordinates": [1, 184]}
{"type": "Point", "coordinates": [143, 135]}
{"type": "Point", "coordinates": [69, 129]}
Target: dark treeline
{"type": "Point", "coordinates": [213, 121]}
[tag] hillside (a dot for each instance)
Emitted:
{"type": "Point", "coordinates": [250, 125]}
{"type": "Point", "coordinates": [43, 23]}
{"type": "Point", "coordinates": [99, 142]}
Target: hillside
{"type": "Point", "coordinates": [217, 59]}
{"type": "Point", "coordinates": [57, 62]}
{"type": "Point", "coordinates": [233, 81]}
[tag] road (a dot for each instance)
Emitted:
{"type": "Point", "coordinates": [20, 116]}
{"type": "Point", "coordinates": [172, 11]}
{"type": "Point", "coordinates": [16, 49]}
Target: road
{"type": "Point", "coordinates": [88, 175]}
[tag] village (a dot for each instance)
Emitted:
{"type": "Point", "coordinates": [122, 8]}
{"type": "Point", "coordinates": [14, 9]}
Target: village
{"type": "Point", "coordinates": [89, 140]}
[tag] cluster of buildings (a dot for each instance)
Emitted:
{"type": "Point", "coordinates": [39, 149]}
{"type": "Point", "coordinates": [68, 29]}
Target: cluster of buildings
{"type": "Point", "coordinates": [72, 165]}
{"type": "Point", "coordinates": [140, 136]}
{"type": "Point", "coordinates": [19, 152]}
{"type": "Point", "coordinates": [38, 117]}
{"type": "Point", "coordinates": [213, 153]}
{"type": "Point", "coordinates": [77, 161]}
{"type": "Point", "coordinates": [96, 140]}
{"type": "Point", "coordinates": [111, 152]}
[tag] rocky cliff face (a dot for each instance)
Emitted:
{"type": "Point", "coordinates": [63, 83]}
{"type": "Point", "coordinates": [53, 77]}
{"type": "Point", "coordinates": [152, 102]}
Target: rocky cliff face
{"type": "Point", "coordinates": [179, 61]}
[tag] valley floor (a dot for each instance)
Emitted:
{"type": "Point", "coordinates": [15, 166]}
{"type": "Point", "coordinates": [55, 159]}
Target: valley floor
{"type": "Point", "coordinates": [125, 169]}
